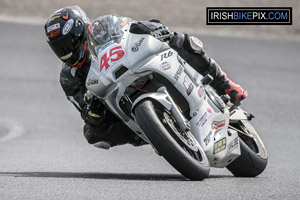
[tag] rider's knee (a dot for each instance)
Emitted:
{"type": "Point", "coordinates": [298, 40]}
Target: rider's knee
{"type": "Point", "coordinates": [191, 44]}
{"type": "Point", "coordinates": [113, 133]}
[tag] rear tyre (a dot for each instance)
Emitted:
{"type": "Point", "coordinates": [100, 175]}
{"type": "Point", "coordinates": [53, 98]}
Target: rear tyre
{"type": "Point", "coordinates": [181, 150]}
{"type": "Point", "coordinates": [254, 158]}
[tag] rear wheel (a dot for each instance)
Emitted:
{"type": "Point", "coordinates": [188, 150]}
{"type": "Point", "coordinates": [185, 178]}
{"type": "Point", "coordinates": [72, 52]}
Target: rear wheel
{"type": "Point", "coordinates": [254, 158]}
{"type": "Point", "coordinates": [181, 150]}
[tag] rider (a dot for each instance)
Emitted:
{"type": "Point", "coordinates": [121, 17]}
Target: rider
{"type": "Point", "coordinates": [72, 37]}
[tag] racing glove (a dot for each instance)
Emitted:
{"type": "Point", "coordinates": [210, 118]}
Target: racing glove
{"type": "Point", "coordinates": [93, 110]}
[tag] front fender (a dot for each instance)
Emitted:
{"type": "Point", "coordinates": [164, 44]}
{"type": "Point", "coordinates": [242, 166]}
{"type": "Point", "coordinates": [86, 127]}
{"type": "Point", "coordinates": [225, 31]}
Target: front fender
{"type": "Point", "coordinates": [237, 115]}
{"type": "Point", "coordinates": [158, 97]}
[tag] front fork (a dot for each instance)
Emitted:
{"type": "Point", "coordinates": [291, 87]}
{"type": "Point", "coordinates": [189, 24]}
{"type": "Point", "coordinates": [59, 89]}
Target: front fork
{"type": "Point", "coordinates": [181, 120]}
{"type": "Point", "coordinates": [160, 94]}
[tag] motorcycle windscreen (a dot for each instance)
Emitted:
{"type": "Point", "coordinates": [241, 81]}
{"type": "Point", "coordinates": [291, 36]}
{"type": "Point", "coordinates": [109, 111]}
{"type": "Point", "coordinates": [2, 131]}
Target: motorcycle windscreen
{"type": "Point", "coordinates": [106, 29]}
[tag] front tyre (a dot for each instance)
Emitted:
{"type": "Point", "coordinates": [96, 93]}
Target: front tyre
{"type": "Point", "coordinates": [181, 150]}
{"type": "Point", "coordinates": [253, 159]}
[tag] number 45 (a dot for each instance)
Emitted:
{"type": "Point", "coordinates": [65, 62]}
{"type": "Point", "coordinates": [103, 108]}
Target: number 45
{"type": "Point", "coordinates": [111, 56]}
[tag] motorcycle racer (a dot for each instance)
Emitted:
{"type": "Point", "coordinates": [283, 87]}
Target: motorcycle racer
{"type": "Point", "coordinates": [73, 38]}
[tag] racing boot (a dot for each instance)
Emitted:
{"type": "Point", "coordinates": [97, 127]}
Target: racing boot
{"type": "Point", "coordinates": [224, 85]}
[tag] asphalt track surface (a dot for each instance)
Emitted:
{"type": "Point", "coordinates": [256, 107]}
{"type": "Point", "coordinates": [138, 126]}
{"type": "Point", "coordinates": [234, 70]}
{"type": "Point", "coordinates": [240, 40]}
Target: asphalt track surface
{"type": "Point", "coordinates": [45, 155]}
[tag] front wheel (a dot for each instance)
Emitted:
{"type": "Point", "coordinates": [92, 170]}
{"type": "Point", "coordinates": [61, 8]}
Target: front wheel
{"type": "Point", "coordinates": [181, 150]}
{"type": "Point", "coordinates": [253, 159]}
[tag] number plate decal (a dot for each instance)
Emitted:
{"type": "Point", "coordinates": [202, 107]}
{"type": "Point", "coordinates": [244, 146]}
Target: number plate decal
{"type": "Point", "coordinates": [112, 56]}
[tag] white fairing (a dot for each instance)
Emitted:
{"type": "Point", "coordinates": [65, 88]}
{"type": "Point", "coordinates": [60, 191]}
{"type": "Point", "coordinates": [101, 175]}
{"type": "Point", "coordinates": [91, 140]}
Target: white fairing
{"type": "Point", "coordinates": [142, 55]}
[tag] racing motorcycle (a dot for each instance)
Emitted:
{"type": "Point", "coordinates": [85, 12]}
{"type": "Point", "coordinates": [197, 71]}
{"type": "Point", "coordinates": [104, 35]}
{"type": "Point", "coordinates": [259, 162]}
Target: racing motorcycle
{"type": "Point", "coordinates": [168, 104]}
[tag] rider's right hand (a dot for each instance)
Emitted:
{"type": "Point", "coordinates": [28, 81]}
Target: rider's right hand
{"type": "Point", "coordinates": [93, 110]}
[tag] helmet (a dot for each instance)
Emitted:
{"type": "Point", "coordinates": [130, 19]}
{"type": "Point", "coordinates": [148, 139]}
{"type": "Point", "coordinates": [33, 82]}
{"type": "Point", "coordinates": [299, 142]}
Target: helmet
{"type": "Point", "coordinates": [67, 30]}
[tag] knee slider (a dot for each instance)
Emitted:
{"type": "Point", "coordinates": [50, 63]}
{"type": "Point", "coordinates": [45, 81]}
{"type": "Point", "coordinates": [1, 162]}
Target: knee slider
{"type": "Point", "coordinates": [88, 133]}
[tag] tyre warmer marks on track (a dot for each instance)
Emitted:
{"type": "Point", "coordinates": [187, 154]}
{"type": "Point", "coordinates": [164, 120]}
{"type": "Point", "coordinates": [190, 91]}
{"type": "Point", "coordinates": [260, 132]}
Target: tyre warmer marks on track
{"type": "Point", "coordinates": [10, 130]}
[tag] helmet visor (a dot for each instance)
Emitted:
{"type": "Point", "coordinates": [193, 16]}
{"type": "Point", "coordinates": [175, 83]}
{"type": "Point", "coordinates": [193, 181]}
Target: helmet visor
{"type": "Point", "coordinates": [66, 47]}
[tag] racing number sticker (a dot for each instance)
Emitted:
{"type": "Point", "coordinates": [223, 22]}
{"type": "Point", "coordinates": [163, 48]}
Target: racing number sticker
{"type": "Point", "coordinates": [112, 56]}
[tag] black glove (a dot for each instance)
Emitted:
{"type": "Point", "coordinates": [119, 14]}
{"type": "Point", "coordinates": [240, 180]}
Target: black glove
{"type": "Point", "coordinates": [152, 27]}
{"type": "Point", "coordinates": [93, 110]}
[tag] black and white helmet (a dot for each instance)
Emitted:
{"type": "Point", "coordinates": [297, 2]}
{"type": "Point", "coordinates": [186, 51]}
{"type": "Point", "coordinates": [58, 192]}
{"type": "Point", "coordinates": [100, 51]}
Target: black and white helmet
{"type": "Point", "coordinates": [67, 32]}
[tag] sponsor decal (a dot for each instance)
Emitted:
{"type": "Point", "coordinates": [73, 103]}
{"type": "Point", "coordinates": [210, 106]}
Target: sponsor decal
{"type": "Point", "coordinates": [165, 65]}
{"type": "Point", "coordinates": [92, 81]}
{"type": "Point", "coordinates": [166, 55]}
{"type": "Point", "coordinates": [217, 124]}
{"type": "Point", "coordinates": [66, 56]}
{"type": "Point", "coordinates": [68, 26]}
{"type": "Point", "coordinates": [136, 45]}
{"type": "Point", "coordinates": [110, 57]}
{"type": "Point", "coordinates": [188, 85]}
{"type": "Point", "coordinates": [220, 145]}
{"type": "Point", "coordinates": [178, 72]}
{"type": "Point", "coordinates": [53, 27]}
{"type": "Point", "coordinates": [54, 33]}
{"type": "Point", "coordinates": [209, 110]}
{"type": "Point", "coordinates": [124, 22]}
{"type": "Point", "coordinates": [203, 119]}
{"type": "Point", "coordinates": [207, 138]}
{"type": "Point", "coordinates": [200, 91]}
{"type": "Point", "coordinates": [233, 144]}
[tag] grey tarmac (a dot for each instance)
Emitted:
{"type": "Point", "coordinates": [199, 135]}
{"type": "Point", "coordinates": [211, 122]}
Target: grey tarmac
{"type": "Point", "coordinates": [52, 160]}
